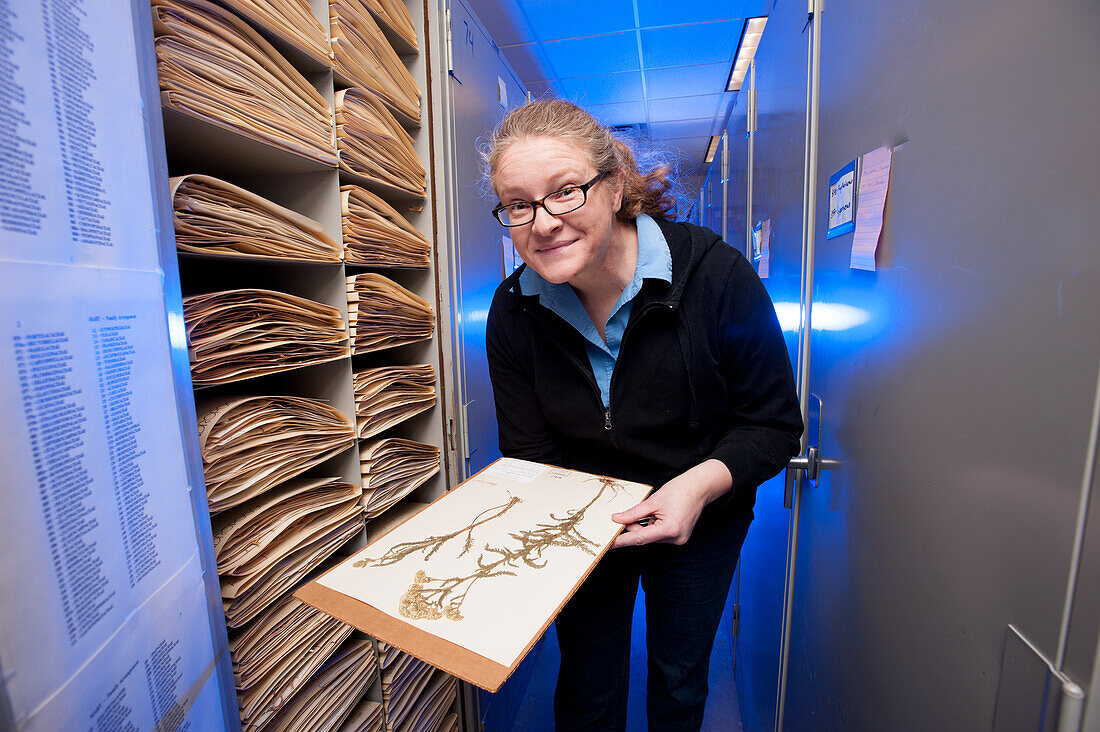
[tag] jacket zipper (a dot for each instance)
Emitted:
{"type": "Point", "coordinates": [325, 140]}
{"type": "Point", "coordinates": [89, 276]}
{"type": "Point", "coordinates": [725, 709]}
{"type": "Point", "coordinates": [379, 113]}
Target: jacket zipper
{"type": "Point", "coordinates": [608, 427]}
{"type": "Point", "coordinates": [607, 424]}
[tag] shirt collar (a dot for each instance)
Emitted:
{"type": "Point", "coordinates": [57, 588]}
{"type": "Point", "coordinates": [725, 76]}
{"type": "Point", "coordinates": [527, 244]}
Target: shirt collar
{"type": "Point", "coordinates": [654, 262]}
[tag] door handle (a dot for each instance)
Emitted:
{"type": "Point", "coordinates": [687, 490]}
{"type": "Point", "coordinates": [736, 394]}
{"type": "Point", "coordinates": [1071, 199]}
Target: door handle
{"type": "Point", "coordinates": [811, 463]}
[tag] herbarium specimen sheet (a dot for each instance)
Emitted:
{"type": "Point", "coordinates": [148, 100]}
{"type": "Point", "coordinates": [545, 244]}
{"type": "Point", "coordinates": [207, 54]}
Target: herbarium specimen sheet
{"type": "Point", "coordinates": [488, 565]}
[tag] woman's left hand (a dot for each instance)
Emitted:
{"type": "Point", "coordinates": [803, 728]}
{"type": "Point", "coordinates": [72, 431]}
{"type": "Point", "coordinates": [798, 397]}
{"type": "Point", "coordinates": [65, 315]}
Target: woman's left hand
{"type": "Point", "coordinates": [674, 508]}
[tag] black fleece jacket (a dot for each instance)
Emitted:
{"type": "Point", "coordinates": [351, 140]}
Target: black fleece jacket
{"type": "Point", "coordinates": [703, 372]}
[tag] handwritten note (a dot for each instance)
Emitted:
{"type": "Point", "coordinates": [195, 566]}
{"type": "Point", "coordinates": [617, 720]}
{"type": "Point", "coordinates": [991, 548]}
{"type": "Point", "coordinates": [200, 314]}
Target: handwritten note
{"type": "Point", "coordinates": [874, 182]}
{"type": "Point", "coordinates": [842, 188]}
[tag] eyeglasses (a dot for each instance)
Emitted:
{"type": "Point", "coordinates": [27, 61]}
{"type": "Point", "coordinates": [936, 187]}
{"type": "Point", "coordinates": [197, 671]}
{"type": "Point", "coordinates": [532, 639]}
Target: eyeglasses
{"type": "Point", "coordinates": [557, 203]}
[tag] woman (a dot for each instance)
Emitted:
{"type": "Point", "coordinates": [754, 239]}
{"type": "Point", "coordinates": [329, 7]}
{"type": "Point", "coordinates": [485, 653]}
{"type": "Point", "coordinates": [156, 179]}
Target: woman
{"type": "Point", "coordinates": [638, 348]}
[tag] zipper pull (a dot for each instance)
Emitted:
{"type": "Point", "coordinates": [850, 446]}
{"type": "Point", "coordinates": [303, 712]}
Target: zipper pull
{"type": "Point", "coordinates": [607, 420]}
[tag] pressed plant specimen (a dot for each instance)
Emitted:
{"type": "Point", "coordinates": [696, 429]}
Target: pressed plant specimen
{"type": "Point", "coordinates": [431, 597]}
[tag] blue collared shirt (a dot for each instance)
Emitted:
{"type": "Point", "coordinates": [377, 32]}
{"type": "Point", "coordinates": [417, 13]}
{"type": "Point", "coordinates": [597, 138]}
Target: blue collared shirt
{"type": "Point", "coordinates": [654, 262]}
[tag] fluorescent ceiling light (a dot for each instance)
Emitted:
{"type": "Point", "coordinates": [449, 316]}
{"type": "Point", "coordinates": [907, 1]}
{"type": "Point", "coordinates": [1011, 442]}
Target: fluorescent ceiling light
{"type": "Point", "coordinates": [712, 148]}
{"type": "Point", "coordinates": [746, 49]}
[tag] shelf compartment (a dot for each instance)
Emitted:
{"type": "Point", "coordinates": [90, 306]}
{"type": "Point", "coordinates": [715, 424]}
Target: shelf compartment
{"type": "Point", "coordinates": [213, 65]}
{"type": "Point", "coordinates": [216, 218]}
{"type": "Point", "coordinates": [239, 334]}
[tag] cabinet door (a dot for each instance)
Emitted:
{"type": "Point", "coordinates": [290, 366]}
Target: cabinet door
{"type": "Point", "coordinates": [957, 380]}
{"type": "Point", "coordinates": [478, 76]}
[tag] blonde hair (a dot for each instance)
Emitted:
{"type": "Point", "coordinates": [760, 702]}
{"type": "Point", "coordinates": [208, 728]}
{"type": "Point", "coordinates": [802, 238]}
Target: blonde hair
{"type": "Point", "coordinates": [648, 193]}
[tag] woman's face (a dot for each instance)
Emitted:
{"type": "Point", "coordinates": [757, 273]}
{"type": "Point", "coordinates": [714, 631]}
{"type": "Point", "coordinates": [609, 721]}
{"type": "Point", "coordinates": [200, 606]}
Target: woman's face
{"type": "Point", "coordinates": [566, 247]}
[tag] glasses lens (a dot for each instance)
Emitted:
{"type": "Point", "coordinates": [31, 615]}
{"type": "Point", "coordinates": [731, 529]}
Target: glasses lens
{"type": "Point", "coordinates": [516, 214]}
{"type": "Point", "coordinates": [565, 200]}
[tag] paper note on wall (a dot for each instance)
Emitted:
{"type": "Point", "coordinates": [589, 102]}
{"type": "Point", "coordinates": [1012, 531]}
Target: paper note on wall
{"type": "Point", "coordinates": [842, 189]}
{"type": "Point", "coordinates": [874, 182]}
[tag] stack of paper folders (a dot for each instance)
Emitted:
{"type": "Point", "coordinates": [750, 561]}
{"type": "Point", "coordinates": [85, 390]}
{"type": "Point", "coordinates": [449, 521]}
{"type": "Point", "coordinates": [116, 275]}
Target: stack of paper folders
{"type": "Point", "coordinates": [364, 56]}
{"type": "Point", "coordinates": [277, 653]}
{"type": "Point", "coordinates": [432, 709]}
{"type": "Point", "coordinates": [367, 717]}
{"type": "Point", "coordinates": [417, 696]}
{"type": "Point", "coordinates": [333, 692]}
{"type": "Point", "coordinates": [394, 18]}
{"type": "Point", "coordinates": [383, 314]}
{"type": "Point", "coordinates": [239, 334]}
{"type": "Point", "coordinates": [375, 234]}
{"type": "Point", "coordinates": [212, 216]}
{"type": "Point", "coordinates": [252, 444]}
{"type": "Point", "coordinates": [392, 468]}
{"type": "Point", "coordinates": [292, 20]}
{"type": "Point", "coordinates": [387, 395]}
{"type": "Point", "coordinates": [388, 655]}
{"type": "Point", "coordinates": [373, 145]}
{"type": "Point", "coordinates": [213, 66]}
{"type": "Point", "coordinates": [264, 547]}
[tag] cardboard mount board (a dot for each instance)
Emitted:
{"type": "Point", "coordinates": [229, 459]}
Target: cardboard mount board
{"type": "Point", "coordinates": [529, 533]}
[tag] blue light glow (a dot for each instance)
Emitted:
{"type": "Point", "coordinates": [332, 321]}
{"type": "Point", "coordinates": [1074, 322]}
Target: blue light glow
{"type": "Point", "coordinates": [825, 316]}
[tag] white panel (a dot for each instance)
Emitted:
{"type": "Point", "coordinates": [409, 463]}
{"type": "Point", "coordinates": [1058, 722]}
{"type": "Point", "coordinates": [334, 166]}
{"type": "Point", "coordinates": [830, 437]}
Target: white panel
{"type": "Point", "coordinates": [96, 526]}
{"type": "Point", "coordinates": [72, 91]}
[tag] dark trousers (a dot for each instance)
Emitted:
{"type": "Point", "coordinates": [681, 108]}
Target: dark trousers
{"type": "Point", "coordinates": [685, 592]}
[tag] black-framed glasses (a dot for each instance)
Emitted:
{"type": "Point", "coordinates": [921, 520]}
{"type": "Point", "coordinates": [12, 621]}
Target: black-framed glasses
{"type": "Point", "coordinates": [557, 203]}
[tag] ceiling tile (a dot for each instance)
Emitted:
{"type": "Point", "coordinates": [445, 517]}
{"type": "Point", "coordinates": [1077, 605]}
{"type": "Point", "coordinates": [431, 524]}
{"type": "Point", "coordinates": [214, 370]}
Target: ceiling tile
{"type": "Point", "coordinates": [593, 56]}
{"type": "Point", "coordinates": [661, 110]}
{"type": "Point", "coordinates": [686, 81]}
{"type": "Point", "coordinates": [626, 113]}
{"type": "Point", "coordinates": [556, 19]}
{"type": "Point", "coordinates": [687, 45]}
{"type": "Point", "coordinates": [661, 12]}
{"type": "Point", "coordinates": [608, 89]}
{"type": "Point", "coordinates": [681, 128]}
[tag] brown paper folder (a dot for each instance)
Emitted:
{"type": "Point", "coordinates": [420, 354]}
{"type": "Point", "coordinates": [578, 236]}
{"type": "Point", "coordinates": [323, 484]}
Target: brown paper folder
{"type": "Point", "coordinates": [243, 598]}
{"type": "Point", "coordinates": [373, 145]}
{"type": "Point", "coordinates": [388, 395]}
{"type": "Point", "coordinates": [333, 692]}
{"type": "Point", "coordinates": [383, 314]}
{"type": "Point", "coordinates": [365, 57]}
{"type": "Point", "coordinates": [252, 444]}
{"type": "Point", "coordinates": [375, 234]}
{"type": "Point", "coordinates": [394, 17]}
{"type": "Point", "coordinates": [277, 654]}
{"type": "Point", "coordinates": [291, 20]}
{"type": "Point", "coordinates": [431, 706]}
{"type": "Point", "coordinates": [239, 334]}
{"type": "Point", "coordinates": [367, 717]}
{"type": "Point", "coordinates": [393, 468]}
